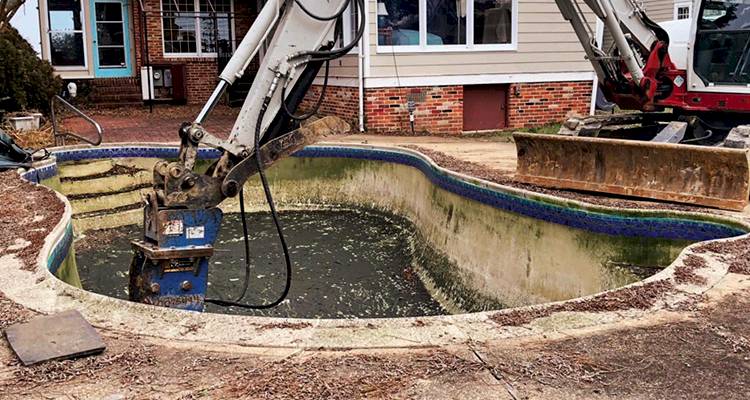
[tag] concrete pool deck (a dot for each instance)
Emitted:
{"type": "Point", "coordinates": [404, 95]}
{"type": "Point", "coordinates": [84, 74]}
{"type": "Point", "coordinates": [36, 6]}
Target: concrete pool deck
{"type": "Point", "coordinates": [694, 347]}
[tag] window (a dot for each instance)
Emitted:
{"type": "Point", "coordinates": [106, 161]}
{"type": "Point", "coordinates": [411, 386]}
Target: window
{"type": "Point", "coordinates": [66, 34]}
{"type": "Point", "coordinates": [722, 50]}
{"type": "Point", "coordinates": [350, 24]}
{"type": "Point", "coordinates": [197, 27]}
{"type": "Point", "coordinates": [446, 25]}
{"type": "Point", "coordinates": [682, 10]}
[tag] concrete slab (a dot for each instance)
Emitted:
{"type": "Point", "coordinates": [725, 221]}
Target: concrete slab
{"type": "Point", "coordinates": [54, 337]}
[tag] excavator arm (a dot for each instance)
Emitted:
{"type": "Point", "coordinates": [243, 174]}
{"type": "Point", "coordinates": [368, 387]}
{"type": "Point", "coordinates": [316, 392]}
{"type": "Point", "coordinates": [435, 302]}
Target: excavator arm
{"type": "Point", "coordinates": [181, 214]}
{"type": "Point", "coordinates": [631, 70]}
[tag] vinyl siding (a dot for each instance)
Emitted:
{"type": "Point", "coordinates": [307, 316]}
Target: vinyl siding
{"type": "Point", "coordinates": [546, 44]}
{"type": "Point", "coordinates": [659, 10]}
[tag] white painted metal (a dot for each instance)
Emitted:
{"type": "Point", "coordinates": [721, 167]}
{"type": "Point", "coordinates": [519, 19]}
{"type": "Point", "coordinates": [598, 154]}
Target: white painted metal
{"type": "Point", "coordinates": [294, 32]}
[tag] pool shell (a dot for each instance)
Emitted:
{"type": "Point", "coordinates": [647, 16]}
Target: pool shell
{"type": "Point", "coordinates": [42, 291]}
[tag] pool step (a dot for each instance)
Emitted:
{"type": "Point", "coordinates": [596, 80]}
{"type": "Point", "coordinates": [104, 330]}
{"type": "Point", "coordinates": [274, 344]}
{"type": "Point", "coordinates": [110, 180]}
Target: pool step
{"type": "Point", "coordinates": [106, 221]}
{"type": "Point", "coordinates": [106, 185]}
{"type": "Point", "coordinates": [79, 170]}
{"type": "Point", "coordinates": [83, 169]}
{"type": "Point", "coordinates": [106, 193]}
{"type": "Point", "coordinates": [106, 202]}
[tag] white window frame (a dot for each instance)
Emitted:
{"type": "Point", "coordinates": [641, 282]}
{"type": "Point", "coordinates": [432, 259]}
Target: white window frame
{"type": "Point", "coordinates": [347, 27]}
{"type": "Point", "coordinates": [423, 47]}
{"type": "Point", "coordinates": [198, 35]}
{"type": "Point", "coordinates": [85, 65]}
{"type": "Point", "coordinates": [682, 4]}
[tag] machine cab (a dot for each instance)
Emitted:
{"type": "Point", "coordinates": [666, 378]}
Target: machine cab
{"type": "Point", "coordinates": [720, 57]}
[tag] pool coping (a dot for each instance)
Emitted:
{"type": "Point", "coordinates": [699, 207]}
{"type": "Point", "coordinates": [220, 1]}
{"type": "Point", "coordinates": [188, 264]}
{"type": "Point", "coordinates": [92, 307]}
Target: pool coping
{"type": "Point", "coordinates": [41, 291]}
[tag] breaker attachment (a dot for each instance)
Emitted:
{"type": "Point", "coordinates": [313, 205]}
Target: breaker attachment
{"type": "Point", "coordinates": [702, 175]}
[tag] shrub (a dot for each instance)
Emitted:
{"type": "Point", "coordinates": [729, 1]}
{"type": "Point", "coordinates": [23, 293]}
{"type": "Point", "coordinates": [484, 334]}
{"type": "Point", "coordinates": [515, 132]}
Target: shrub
{"type": "Point", "coordinates": [24, 77]}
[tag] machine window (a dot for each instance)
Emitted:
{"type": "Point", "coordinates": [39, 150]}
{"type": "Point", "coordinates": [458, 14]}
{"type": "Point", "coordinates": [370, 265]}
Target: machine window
{"type": "Point", "coordinates": [723, 43]}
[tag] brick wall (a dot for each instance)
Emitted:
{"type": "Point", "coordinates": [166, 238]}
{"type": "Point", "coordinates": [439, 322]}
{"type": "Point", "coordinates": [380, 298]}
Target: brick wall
{"type": "Point", "coordinates": [439, 109]}
{"type": "Point", "coordinates": [341, 101]}
{"type": "Point", "coordinates": [543, 103]}
{"type": "Point", "coordinates": [201, 72]}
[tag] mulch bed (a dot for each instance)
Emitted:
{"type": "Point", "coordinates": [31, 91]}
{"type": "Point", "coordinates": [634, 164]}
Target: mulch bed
{"type": "Point", "coordinates": [29, 214]}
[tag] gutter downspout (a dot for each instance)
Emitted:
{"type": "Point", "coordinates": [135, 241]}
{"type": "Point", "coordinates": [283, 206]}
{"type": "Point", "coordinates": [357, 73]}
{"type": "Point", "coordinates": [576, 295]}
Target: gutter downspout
{"type": "Point", "coordinates": [361, 84]}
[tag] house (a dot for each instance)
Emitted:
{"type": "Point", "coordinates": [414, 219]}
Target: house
{"type": "Point", "coordinates": [457, 66]}
{"type": "Point", "coordinates": [449, 65]}
{"type": "Point", "coordinates": [107, 46]}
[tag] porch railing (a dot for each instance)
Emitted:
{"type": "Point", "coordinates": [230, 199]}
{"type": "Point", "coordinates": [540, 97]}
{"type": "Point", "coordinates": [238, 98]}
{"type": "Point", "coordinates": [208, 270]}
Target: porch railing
{"type": "Point", "coordinates": [60, 136]}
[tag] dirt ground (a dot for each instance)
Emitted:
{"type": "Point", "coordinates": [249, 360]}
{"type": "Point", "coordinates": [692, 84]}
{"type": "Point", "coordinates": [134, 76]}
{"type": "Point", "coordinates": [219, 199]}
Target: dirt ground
{"type": "Point", "coordinates": [706, 356]}
{"type": "Point", "coordinates": [692, 353]}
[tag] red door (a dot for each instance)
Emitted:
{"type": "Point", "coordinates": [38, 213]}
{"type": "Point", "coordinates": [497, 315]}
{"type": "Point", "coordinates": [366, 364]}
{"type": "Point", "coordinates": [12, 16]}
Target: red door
{"type": "Point", "coordinates": [485, 107]}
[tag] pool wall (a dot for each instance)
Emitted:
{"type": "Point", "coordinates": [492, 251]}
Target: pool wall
{"type": "Point", "coordinates": [503, 247]}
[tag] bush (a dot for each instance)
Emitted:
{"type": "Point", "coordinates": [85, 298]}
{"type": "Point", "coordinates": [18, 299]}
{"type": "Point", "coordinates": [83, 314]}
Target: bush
{"type": "Point", "coordinates": [24, 77]}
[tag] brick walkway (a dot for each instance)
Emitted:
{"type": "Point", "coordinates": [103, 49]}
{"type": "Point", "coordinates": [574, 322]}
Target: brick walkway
{"type": "Point", "coordinates": [140, 125]}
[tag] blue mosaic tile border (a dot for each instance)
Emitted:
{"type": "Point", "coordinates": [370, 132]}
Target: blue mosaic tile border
{"type": "Point", "coordinates": [37, 175]}
{"type": "Point", "coordinates": [129, 151]}
{"type": "Point", "coordinates": [675, 228]}
{"type": "Point", "coordinates": [60, 250]}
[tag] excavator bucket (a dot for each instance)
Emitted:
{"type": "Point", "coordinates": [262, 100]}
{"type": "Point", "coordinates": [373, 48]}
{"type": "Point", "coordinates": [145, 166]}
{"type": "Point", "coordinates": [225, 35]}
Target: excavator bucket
{"type": "Point", "coordinates": [710, 176]}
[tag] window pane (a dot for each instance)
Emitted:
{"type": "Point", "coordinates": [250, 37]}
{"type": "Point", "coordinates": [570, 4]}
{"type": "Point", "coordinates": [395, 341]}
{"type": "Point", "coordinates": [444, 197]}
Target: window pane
{"type": "Point", "coordinates": [446, 22]}
{"type": "Point", "coordinates": [111, 56]}
{"type": "Point", "coordinates": [219, 6]}
{"type": "Point", "coordinates": [398, 22]}
{"type": "Point", "coordinates": [66, 49]}
{"type": "Point", "coordinates": [493, 21]}
{"type": "Point", "coordinates": [179, 35]}
{"type": "Point", "coordinates": [109, 33]}
{"type": "Point", "coordinates": [209, 34]}
{"type": "Point", "coordinates": [178, 6]}
{"type": "Point", "coordinates": [683, 12]}
{"type": "Point", "coordinates": [65, 15]}
{"type": "Point", "coordinates": [108, 12]}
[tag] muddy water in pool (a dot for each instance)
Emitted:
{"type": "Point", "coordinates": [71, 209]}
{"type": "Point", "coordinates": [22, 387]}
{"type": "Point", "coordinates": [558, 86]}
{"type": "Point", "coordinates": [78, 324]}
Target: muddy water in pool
{"type": "Point", "coordinates": [347, 263]}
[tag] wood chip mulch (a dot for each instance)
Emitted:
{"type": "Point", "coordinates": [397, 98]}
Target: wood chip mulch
{"type": "Point", "coordinates": [347, 377]}
{"type": "Point", "coordinates": [685, 273]}
{"type": "Point", "coordinates": [736, 252]}
{"type": "Point", "coordinates": [28, 213]}
{"type": "Point", "coordinates": [641, 297]}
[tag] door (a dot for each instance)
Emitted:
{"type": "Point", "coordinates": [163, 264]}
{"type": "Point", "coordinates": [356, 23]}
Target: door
{"type": "Point", "coordinates": [485, 107]}
{"type": "Point", "coordinates": [111, 38]}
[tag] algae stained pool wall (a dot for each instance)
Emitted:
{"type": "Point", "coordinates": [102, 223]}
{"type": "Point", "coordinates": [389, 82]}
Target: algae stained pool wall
{"type": "Point", "coordinates": [472, 255]}
{"type": "Point", "coordinates": [495, 258]}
